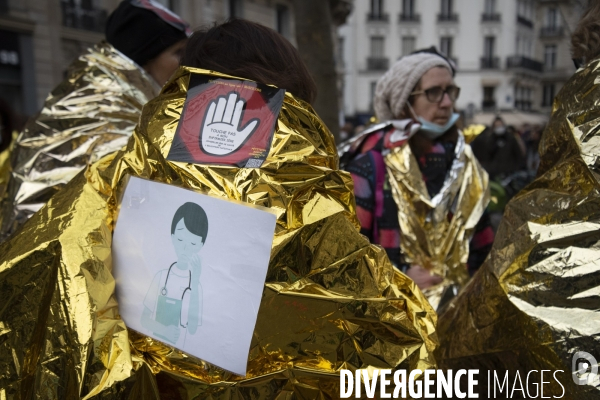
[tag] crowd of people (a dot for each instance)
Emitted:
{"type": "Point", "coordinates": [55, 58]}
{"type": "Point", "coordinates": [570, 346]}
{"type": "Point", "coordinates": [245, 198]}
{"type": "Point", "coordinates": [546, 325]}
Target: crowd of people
{"type": "Point", "coordinates": [374, 240]}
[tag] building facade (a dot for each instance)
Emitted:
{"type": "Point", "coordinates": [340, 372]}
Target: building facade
{"type": "Point", "coordinates": [510, 54]}
{"type": "Point", "coordinates": [40, 38]}
{"type": "Point", "coordinates": [556, 21]}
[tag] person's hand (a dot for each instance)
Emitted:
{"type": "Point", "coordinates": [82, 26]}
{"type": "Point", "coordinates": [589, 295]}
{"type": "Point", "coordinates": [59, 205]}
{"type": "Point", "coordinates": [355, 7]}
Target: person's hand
{"type": "Point", "coordinates": [422, 277]}
{"type": "Point", "coordinates": [222, 132]}
{"type": "Point", "coordinates": [172, 333]}
{"type": "Point", "coordinates": [195, 267]}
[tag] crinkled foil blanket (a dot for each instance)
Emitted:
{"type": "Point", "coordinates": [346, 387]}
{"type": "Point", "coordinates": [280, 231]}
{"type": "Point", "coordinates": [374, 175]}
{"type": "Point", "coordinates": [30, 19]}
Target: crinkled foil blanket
{"type": "Point", "coordinates": [536, 300]}
{"type": "Point", "coordinates": [429, 237]}
{"type": "Point", "coordinates": [92, 113]}
{"type": "Point", "coordinates": [331, 299]}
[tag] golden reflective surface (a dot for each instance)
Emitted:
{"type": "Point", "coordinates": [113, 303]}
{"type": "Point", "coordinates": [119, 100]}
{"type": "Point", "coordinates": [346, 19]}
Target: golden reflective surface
{"type": "Point", "coordinates": [331, 299]}
{"type": "Point", "coordinates": [535, 301]}
{"type": "Point", "coordinates": [92, 113]}
{"type": "Point", "coordinates": [436, 231]}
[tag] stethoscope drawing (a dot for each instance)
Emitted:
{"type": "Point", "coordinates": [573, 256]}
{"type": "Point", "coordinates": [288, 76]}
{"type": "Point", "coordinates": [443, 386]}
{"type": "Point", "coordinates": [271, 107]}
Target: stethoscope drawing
{"type": "Point", "coordinates": [164, 290]}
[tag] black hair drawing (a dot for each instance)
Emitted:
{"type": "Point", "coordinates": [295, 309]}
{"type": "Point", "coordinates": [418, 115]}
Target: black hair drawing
{"type": "Point", "coordinates": [194, 218]}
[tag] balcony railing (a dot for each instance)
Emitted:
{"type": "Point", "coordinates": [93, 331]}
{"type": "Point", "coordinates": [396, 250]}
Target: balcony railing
{"type": "Point", "coordinates": [490, 17]}
{"type": "Point", "coordinates": [524, 21]}
{"type": "Point", "coordinates": [490, 63]}
{"type": "Point", "coordinates": [378, 17]}
{"type": "Point", "coordinates": [447, 17]}
{"type": "Point", "coordinates": [409, 18]}
{"type": "Point", "coordinates": [524, 62]}
{"type": "Point", "coordinates": [80, 18]}
{"type": "Point", "coordinates": [488, 105]}
{"type": "Point", "coordinates": [378, 63]}
{"type": "Point", "coordinates": [551, 31]}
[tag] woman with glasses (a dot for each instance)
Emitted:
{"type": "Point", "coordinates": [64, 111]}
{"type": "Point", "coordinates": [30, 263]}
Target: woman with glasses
{"type": "Point", "coordinates": [420, 192]}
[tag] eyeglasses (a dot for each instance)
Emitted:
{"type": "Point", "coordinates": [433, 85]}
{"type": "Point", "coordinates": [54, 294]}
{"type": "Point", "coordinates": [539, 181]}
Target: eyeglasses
{"type": "Point", "coordinates": [436, 93]}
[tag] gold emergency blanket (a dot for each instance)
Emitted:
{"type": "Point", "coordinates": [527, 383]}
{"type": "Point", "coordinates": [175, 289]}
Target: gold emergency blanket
{"type": "Point", "coordinates": [436, 231]}
{"type": "Point", "coordinates": [331, 301]}
{"type": "Point", "coordinates": [535, 301]}
{"type": "Point", "coordinates": [90, 114]}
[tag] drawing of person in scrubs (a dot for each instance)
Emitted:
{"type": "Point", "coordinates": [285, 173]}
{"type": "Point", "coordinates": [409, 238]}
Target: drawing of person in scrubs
{"type": "Point", "coordinates": [173, 303]}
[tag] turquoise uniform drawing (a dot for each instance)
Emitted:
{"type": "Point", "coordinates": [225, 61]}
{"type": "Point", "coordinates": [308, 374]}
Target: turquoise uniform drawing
{"type": "Point", "coordinates": [173, 303]}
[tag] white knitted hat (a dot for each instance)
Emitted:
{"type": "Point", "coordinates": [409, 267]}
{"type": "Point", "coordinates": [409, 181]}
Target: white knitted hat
{"type": "Point", "coordinates": [394, 87]}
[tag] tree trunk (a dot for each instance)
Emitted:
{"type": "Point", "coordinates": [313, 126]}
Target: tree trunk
{"type": "Point", "coordinates": [314, 35]}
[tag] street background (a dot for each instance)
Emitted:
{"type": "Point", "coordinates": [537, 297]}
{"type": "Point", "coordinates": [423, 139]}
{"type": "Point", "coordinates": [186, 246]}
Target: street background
{"type": "Point", "coordinates": [512, 56]}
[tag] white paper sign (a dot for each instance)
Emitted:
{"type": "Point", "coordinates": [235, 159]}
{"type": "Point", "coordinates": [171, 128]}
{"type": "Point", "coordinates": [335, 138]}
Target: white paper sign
{"type": "Point", "coordinates": [190, 269]}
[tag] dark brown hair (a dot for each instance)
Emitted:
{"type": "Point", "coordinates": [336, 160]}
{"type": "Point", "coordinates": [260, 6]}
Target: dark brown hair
{"type": "Point", "coordinates": [585, 41]}
{"type": "Point", "coordinates": [250, 50]}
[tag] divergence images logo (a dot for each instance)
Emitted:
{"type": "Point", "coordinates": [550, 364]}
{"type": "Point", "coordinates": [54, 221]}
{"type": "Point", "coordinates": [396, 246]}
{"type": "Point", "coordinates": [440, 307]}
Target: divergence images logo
{"type": "Point", "coordinates": [585, 368]}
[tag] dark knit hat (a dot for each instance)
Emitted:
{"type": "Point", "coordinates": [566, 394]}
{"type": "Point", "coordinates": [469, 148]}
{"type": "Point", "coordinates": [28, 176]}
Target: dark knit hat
{"type": "Point", "coordinates": [142, 29]}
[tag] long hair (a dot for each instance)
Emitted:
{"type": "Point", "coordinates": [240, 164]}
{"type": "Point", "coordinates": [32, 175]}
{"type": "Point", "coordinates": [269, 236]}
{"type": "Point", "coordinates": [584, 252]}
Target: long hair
{"type": "Point", "coordinates": [250, 50]}
{"type": "Point", "coordinates": [585, 41]}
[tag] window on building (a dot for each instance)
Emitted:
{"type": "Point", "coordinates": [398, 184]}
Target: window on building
{"type": "Point", "coordinates": [377, 8]}
{"type": "Point", "coordinates": [446, 46]}
{"type": "Point", "coordinates": [523, 98]}
{"type": "Point", "coordinates": [550, 56]}
{"type": "Point", "coordinates": [373, 87]}
{"type": "Point", "coordinates": [525, 9]}
{"type": "Point", "coordinates": [235, 8]}
{"type": "Point", "coordinates": [447, 8]}
{"type": "Point", "coordinates": [377, 49]}
{"type": "Point", "coordinates": [489, 98]}
{"type": "Point", "coordinates": [489, 47]}
{"type": "Point", "coordinates": [283, 20]}
{"type": "Point", "coordinates": [548, 95]}
{"type": "Point", "coordinates": [524, 46]}
{"type": "Point", "coordinates": [340, 52]}
{"type": "Point", "coordinates": [408, 45]}
{"type": "Point", "coordinates": [521, 8]}
{"type": "Point", "coordinates": [408, 8]}
{"type": "Point", "coordinates": [552, 18]}
{"type": "Point", "coordinates": [490, 7]}
{"type": "Point", "coordinates": [83, 14]}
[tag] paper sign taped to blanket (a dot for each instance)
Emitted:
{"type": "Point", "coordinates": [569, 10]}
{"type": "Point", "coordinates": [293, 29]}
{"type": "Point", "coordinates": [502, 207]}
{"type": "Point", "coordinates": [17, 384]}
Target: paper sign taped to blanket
{"type": "Point", "coordinates": [190, 269]}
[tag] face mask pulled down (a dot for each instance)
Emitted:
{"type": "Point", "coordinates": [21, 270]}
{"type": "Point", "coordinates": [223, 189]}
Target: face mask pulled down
{"type": "Point", "coordinates": [432, 130]}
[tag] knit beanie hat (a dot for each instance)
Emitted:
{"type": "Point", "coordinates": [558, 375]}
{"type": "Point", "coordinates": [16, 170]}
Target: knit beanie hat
{"type": "Point", "coordinates": [142, 29]}
{"type": "Point", "coordinates": [394, 87]}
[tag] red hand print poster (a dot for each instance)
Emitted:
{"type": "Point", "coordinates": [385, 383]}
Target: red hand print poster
{"type": "Point", "coordinates": [227, 122]}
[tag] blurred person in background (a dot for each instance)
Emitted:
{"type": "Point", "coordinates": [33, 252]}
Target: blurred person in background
{"type": "Point", "coordinates": [410, 177]}
{"type": "Point", "coordinates": [502, 153]}
{"type": "Point", "coordinates": [500, 150]}
{"type": "Point", "coordinates": [533, 143]}
{"type": "Point", "coordinates": [94, 110]}
{"type": "Point", "coordinates": [346, 131]}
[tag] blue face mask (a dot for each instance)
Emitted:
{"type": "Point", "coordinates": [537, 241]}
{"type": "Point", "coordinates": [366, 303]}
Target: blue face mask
{"type": "Point", "coordinates": [434, 131]}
